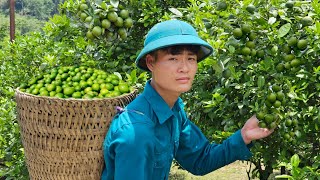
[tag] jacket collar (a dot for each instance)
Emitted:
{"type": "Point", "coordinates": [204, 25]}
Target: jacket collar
{"type": "Point", "coordinates": [159, 106]}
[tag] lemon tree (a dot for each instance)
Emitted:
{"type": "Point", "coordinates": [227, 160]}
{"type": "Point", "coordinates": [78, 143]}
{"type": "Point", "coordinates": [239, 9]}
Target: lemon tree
{"type": "Point", "coordinates": [104, 20]}
{"type": "Point", "coordinates": [265, 63]}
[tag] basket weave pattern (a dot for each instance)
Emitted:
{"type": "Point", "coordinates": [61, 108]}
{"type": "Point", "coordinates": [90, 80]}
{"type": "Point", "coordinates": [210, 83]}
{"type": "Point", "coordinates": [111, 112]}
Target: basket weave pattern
{"type": "Point", "coordinates": [63, 138]}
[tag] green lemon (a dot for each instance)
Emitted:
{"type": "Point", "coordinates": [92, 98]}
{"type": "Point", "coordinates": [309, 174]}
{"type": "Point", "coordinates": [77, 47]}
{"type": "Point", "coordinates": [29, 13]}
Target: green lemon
{"type": "Point", "coordinates": [104, 92]}
{"type": "Point", "coordinates": [276, 88]}
{"type": "Point", "coordinates": [292, 41]}
{"type": "Point", "coordinates": [226, 73]}
{"type": "Point", "coordinates": [59, 95]}
{"type": "Point", "coordinates": [289, 4]}
{"type": "Point", "coordinates": [260, 116]}
{"type": "Point", "coordinates": [109, 86]}
{"type": "Point", "coordinates": [280, 67]}
{"type": "Point", "coordinates": [272, 97]}
{"type": "Point", "coordinates": [269, 118]}
{"type": "Point", "coordinates": [295, 63]}
{"type": "Point", "coordinates": [128, 23]}
{"type": "Point", "coordinates": [262, 124]}
{"type": "Point", "coordinates": [88, 19]}
{"type": "Point", "coordinates": [68, 91]}
{"type": "Point", "coordinates": [89, 35]}
{"type": "Point", "coordinates": [253, 52]}
{"type": "Point", "coordinates": [280, 96]}
{"type": "Point", "coordinates": [286, 49]}
{"type": "Point", "coordinates": [245, 51]}
{"type": "Point", "coordinates": [105, 23]}
{"type": "Point", "coordinates": [87, 89]}
{"type": "Point", "coordinates": [302, 44]}
{"type": "Point", "coordinates": [77, 95]}
{"type": "Point", "coordinates": [112, 16]}
{"type": "Point", "coordinates": [307, 21]}
{"type": "Point", "coordinates": [277, 104]}
{"type": "Point", "coordinates": [124, 13]}
{"type": "Point", "coordinates": [44, 93]}
{"type": "Point", "coordinates": [252, 36]}
{"type": "Point", "coordinates": [83, 7]}
{"type": "Point", "coordinates": [222, 5]}
{"type": "Point", "coordinates": [289, 57]}
{"type": "Point", "coordinates": [250, 44]}
{"type": "Point", "coordinates": [115, 82]}
{"type": "Point", "coordinates": [119, 22]}
{"type": "Point", "coordinates": [83, 16]}
{"type": "Point", "coordinates": [237, 33]}
{"type": "Point", "coordinates": [52, 93]}
{"type": "Point", "coordinates": [260, 53]}
{"type": "Point", "coordinates": [251, 8]}
{"type": "Point", "coordinates": [51, 87]}
{"type": "Point", "coordinates": [95, 87]}
{"type": "Point", "coordinates": [97, 31]}
{"type": "Point", "coordinates": [245, 28]}
{"type": "Point", "coordinates": [123, 88]}
{"type": "Point", "coordinates": [288, 122]}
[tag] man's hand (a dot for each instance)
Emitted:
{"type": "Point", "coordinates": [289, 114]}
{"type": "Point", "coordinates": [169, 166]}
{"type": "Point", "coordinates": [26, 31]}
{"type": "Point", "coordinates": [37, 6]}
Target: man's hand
{"type": "Point", "coordinates": [251, 130]}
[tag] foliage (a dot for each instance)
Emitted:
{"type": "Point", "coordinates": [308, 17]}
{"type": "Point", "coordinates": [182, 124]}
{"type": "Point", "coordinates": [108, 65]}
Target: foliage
{"type": "Point", "coordinates": [63, 42]}
{"type": "Point", "coordinates": [232, 84]}
{"type": "Point", "coordinates": [301, 173]}
{"type": "Point", "coordinates": [38, 9]}
{"type": "Point", "coordinates": [244, 70]}
{"type": "Point", "coordinates": [24, 24]}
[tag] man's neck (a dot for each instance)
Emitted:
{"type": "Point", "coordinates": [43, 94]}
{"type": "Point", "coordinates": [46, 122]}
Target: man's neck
{"type": "Point", "coordinates": [169, 97]}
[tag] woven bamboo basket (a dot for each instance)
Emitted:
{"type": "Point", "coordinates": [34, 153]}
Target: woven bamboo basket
{"type": "Point", "coordinates": [63, 138]}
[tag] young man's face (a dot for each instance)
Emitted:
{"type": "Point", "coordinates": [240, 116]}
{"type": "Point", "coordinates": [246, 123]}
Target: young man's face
{"type": "Point", "coordinates": [173, 72]}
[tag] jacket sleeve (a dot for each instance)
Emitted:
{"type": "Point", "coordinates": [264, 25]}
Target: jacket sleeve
{"type": "Point", "coordinates": [126, 153]}
{"type": "Point", "coordinates": [197, 155]}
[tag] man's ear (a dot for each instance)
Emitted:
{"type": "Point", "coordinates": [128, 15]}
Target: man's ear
{"type": "Point", "coordinates": [149, 62]}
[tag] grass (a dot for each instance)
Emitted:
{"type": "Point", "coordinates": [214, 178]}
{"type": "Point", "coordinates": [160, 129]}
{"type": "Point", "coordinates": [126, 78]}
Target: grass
{"type": "Point", "coordinates": [234, 171]}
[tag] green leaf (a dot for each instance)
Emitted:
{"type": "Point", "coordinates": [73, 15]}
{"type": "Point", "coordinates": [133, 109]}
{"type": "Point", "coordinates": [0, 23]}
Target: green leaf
{"type": "Point", "coordinates": [295, 160]}
{"type": "Point", "coordinates": [114, 3]}
{"type": "Point", "coordinates": [318, 27]}
{"type": "Point", "coordinates": [316, 6]}
{"type": "Point", "coordinates": [284, 176]}
{"type": "Point", "coordinates": [103, 5]}
{"type": "Point", "coordinates": [284, 30]}
{"type": "Point", "coordinates": [176, 12]}
{"type": "Point", "coordinates": [272, 20]}
{"type": "Point", "coordinates": [261, 81]}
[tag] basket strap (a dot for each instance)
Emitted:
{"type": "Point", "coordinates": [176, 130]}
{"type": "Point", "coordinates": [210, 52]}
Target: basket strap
{"type": "Point", "coordinates": [121, 110]}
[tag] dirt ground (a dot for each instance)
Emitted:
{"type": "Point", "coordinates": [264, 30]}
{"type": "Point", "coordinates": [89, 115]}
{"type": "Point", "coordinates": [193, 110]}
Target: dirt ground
{"type": "Point", "coordinates": [234, 171]}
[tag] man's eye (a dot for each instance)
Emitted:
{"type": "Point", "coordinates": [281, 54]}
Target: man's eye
{"type": "Point", "coordinates": [192, 59]}
{"type": "Point", "coordinates": [172, 59]}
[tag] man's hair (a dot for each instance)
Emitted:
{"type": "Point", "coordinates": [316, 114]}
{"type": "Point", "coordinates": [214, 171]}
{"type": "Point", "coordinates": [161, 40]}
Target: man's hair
{"type": "Point", "coordinates": [174, 50]}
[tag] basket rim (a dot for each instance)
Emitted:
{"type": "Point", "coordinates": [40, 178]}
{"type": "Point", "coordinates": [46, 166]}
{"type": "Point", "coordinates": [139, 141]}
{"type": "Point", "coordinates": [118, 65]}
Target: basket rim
{"type": "Point", "coordinates": [18, 92]}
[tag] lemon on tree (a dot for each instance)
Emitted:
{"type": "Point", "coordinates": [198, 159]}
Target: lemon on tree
{"type": "Point", "coordinates": [128, 23]}
{"type": "Point", "coordinates": [237, 33]}
{"type": "Point", "coordinates": [307, 21]}
{"type": "Point", "coordinates": [124, 13]}
{"type": "Point", "coordinates": [105, 23]}
{"type": "Point", "coordinates": [302, 44]}
{"type": "Point", "coordinates": [112, 16]}
{"type": "Point", "coordinates": [251, 8]}
{"type": "Point", "coordinates": [292, 41]}
{"type": "Point", "coordinates": [222, 5]}
{"type": "Point", "coordinates": [97, 31]}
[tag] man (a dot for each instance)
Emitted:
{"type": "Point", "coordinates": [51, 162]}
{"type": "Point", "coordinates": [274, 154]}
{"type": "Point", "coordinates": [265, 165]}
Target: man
{"type": "Point", "coordinates": [154, 129]}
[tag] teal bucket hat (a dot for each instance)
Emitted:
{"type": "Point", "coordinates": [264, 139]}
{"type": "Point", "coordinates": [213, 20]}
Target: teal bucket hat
{"type": "Point", "coordinates": [171, 33]}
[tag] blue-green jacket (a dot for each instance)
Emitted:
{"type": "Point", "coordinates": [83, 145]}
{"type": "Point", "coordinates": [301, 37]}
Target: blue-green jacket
{"type": "Point", "coordinates": [143, 140]}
